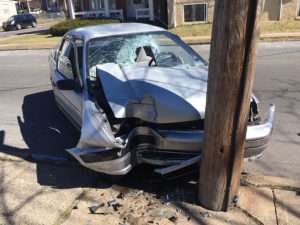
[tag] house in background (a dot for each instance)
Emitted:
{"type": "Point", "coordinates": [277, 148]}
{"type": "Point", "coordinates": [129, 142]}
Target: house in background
{"type": "Point", "coordinates": [128, 10]}
{"type": "Point", "coordinates": [193, 11]}
{"type": "Point", "coordinates": [172, 13]}
{"type": "Point", "coordinates": [7, 9]}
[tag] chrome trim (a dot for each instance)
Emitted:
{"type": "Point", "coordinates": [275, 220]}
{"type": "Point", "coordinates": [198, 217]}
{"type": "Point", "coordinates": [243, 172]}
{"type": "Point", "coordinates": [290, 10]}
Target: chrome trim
{"type": "Point", "coordinates": [261, 131]}
{"type": "Point", "coordinates": [178, 167]}
{"type": "Point", "coordinates": [159, 162]}
{"type": "Point", "coordinates": [120, 166]}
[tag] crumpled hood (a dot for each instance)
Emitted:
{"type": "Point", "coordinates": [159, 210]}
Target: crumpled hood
{"type": "Point", "coordinates": [155, 94]}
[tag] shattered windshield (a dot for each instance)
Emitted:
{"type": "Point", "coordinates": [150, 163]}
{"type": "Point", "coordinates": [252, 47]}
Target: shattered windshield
{"type": "Point", "coordinates": [160, 49]}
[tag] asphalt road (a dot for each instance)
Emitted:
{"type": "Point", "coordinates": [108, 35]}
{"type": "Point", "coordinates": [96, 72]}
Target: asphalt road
{"type": "Point", "coordinates": [30, 121]}
{"type": "Point", "coordinates": [39, 29]}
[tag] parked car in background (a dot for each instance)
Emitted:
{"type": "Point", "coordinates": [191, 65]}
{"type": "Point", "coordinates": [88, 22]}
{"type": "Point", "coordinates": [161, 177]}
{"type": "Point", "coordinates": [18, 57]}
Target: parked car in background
{"type": "Point", "coordinates": [137, 93]}
{"type": "Point", "coordinates": [36, 11]}
{"type": "Point", "coordinates": [17, 22]}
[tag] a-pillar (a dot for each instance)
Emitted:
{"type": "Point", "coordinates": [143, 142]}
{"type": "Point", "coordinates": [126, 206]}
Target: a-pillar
{"type": "Point", "coordinates": [151, 11]}
{"type": "Point", "coordinates": [106, 8]}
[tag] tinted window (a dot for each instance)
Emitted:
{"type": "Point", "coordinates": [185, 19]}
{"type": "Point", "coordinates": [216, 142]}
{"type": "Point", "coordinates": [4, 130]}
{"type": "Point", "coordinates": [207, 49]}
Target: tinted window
{"type": "Point", "coordinates": [22, 17]}
{"type": "Point", "coordinates": [11, 18]}
{"type": "Point", "coordinates": [29, 16]}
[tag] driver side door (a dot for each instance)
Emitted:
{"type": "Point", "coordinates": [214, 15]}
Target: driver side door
{"type": "Point", "coordinates": [67, 63]}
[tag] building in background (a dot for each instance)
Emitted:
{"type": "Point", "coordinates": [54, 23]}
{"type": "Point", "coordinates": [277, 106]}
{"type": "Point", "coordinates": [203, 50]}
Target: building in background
{"type": "Point", "coordinates": [129, 10]}
{"type": "Point", "coordinates": [172, 13]}
{"type": "Point", "coordinates": [7, 9]}
{"type": "Point", "coordinates": [196, 11]}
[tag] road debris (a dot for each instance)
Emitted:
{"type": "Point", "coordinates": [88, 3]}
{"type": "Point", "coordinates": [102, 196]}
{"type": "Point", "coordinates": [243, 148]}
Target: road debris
{"type": "Point", "coordinates": [140, 192]}
{"type": "Point", "coordinates": [94, 208]}
{"type": "Point", "coordinates": [173, 219]}
{"type": "Point", "coordinates": [298, 193]}
{"type": "Point", "coordinates": [116, 206]}
{"type": "Point", "coordinates": [150, 221]}
{"type": "Point", "coordinates": [158, 212]}
{"type": "Point", "coordinates": [235, 200]}
{"type": "Point", "coordinates": [75, 207]}
{"type": "Point", "coordinates": [205, 214]}
{"type": "Point", "coordinates": [111, 202]}
{"type": "Point", "coordinates": [121, 195]}
{"type": "Point", "coordinates": [167, 200]}
{"type": "Point", "coordinates": [228, 220]}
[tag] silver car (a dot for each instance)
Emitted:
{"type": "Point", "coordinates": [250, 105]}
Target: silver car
{"type": "Point", "coordinates": [137, 93]}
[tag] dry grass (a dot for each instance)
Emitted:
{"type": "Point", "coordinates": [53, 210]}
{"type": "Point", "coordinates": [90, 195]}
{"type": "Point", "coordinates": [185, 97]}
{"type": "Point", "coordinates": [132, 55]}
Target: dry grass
{"type": "Point", "coordinates": [280, 26]}
{"type": "Point", "coordinates": [41, 21]}
{"type": "Point", "coordinates": [204, 29]}
{"type": "Point", "coordinates": [30, 38]}
{"type": "Point", "coordinates": [31, 41]}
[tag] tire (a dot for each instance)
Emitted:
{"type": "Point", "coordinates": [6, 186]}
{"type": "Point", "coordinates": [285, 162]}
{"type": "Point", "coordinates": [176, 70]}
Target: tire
{"type": "Point", "coordinates": [18, 26]}
{"type": "Point", "coordinates": [33, 24]}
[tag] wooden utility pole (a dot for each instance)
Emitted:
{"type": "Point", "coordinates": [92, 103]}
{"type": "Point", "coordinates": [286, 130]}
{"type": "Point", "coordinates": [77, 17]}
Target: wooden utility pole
{"type": "Point", "coordinates": [235, 36]}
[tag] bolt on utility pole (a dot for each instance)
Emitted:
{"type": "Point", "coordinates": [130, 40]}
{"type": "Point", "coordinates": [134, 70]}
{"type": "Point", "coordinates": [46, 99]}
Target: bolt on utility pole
{"type": "Point", "coordinates": [235, 36]}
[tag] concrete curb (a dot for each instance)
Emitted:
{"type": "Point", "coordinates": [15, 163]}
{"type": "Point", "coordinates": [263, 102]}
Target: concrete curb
{"type": "Point", "coordinates": [271, 182]}
{"type": "Point", "coordinates": [286, 34]}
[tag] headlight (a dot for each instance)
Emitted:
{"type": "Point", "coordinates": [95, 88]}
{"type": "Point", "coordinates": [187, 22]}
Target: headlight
{"type": "Point", "coordinates": [12, 22]}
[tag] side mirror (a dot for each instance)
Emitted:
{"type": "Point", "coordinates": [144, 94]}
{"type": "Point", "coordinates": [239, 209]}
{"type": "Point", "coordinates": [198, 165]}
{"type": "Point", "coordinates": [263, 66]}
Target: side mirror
{"type": "Point", "coordinates": [68, 84]}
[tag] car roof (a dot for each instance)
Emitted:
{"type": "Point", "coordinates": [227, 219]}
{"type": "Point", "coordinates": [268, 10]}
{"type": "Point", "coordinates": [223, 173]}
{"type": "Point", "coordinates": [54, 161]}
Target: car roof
{"type": "Point", "coordinates": [113, 29]}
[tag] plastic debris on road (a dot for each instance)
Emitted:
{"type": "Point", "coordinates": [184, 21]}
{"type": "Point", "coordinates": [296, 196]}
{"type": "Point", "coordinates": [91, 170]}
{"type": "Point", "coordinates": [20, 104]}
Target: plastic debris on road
{"type": "Point", "coordinates": [94, 208]}
{"type": "Point", "coordinates": [205, 214]}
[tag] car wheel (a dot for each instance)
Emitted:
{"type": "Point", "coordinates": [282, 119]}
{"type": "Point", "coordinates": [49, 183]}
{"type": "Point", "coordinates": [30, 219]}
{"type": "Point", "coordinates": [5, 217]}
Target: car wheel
{"type": "Point", "coordinates": [33, 24]}
{"type": "Point", "coordinates": [18, 26]}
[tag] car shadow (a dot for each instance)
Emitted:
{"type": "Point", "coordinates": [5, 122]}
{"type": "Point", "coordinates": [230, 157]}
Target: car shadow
{"type": "Point", "coordinates": [35, 31]}
{"type": "Point", "coordinates": [47, 133]}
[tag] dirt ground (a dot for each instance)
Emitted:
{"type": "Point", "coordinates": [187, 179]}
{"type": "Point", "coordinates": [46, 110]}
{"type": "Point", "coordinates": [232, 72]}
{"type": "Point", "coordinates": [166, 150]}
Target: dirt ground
{"type": "Point", "coordinates": [149, 199]}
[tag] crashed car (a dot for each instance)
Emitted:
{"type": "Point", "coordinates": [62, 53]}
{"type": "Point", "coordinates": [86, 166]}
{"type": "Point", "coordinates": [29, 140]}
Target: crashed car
{"type": "Point", "coordinates": [137, 93]}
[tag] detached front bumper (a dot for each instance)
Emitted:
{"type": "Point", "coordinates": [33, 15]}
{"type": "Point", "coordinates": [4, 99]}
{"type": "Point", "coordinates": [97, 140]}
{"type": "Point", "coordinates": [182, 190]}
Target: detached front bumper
{"type": "Point", "coordinates": [176, 149]}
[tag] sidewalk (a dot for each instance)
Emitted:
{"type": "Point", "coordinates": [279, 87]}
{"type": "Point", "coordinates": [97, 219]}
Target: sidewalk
{"type": "Point", "coordinates": [262, 200]}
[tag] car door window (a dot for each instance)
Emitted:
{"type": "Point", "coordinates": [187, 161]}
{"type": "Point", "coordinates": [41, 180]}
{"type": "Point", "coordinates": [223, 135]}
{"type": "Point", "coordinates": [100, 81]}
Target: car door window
{"type": "Point", "coordinates": [66, 60]}
{"type": "Point", "coordinates": [23, 19]}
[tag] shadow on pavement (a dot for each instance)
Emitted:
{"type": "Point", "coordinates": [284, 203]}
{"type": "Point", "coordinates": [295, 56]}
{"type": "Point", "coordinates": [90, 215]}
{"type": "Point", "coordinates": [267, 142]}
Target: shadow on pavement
{"type": "Point", "coordinates": [47, 134]}
{"type": "Point", "coordinates": [36, 31]}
